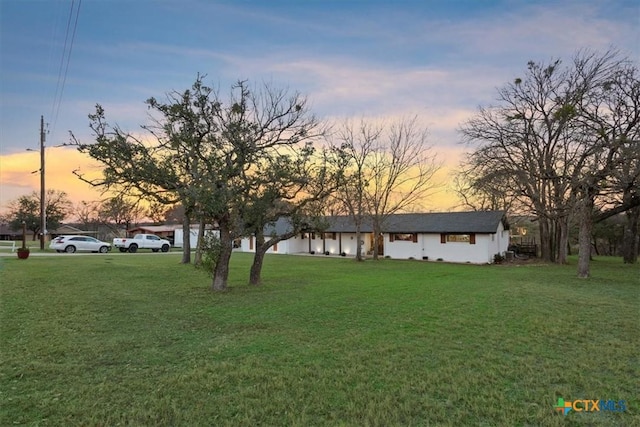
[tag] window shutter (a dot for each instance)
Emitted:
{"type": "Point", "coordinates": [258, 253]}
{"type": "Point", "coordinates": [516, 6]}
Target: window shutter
{"type": "Point", "coordinates": [391, 237]}
{"type": "Point", "coordinates": [472, 238]}
{"type": "Point", "coordinates": [414, 238]}
{"type": "Point", "coordinates": [443, 238]}
{"type": "Point", "coordinates": [251, 243]}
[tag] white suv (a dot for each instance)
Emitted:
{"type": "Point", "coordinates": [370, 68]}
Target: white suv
{"type": "Point", "coordinates": [71, 244]}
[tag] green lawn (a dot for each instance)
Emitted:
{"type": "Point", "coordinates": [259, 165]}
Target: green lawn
{"type": "Point", "coordinates": [119, 339]}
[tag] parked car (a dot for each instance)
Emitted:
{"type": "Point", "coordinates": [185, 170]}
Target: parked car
{"type": "Point", "coordinates": [71, 244]}
{"type": "Point", "coordinates": [142, 241]}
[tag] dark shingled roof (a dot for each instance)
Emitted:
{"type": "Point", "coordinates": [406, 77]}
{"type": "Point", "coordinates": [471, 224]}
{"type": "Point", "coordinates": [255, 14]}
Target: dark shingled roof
{"type": "Point", "coordinates": [448, 222]}
{"type": "Point", "coordinates": [345, 224]}
{"type": "Point", "coordinates": [452, 222]}
{"type": "Point", "coordinates": [278, 228]}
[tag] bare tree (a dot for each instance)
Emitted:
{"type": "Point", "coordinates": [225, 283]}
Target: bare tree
{"type": "Point", "coordinates": [627, 180]}
{"type": "Point", "coordinates": [120, 210]}
{"type": "Point", "coordinates": [358, 142]}
{"type": "Point", "coordinates": [491, 192]}
{"type": "Point", "coordinates": [391, 169]}
{"type": "Point", "coordinates": [88, 213]}
{"type": "Point", "coordinates": [402, 168]}
{"type": "Point", "coordinates": [536, 137]}
{"type": "Point", "coordinates": [609, 121]}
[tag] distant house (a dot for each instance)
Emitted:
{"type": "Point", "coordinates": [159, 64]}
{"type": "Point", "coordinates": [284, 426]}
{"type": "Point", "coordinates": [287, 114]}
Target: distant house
{"type": "Point", "coordinates": [69, 229]}
{"type": "Point", "coordinates": [164, 231]}
{"type": "Point", "coordinates": [473, 237]}
{"type": "Point", "coordinates": [167, 232]}
{"type": "Point", "coordinates": [6, 233]}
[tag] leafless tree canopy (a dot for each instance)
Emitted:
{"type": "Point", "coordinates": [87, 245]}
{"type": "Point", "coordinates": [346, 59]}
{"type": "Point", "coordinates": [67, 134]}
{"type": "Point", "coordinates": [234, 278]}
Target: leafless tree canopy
{"type": "Point", "coordinates": [391, 169]}
{"type": "Point", "coordinates": [556, 142]}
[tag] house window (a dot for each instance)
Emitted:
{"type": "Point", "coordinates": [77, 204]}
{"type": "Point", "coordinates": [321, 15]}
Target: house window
{"type": "Point", "coordinates": [405, 237]}
{"type": "Point", "coordinates": [329, 236]}
{"type": "Point", "coordinates": [458, 238]}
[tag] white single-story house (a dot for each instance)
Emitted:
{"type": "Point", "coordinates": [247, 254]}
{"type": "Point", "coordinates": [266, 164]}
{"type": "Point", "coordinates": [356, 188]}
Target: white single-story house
{"type": "Point", "coordinates": [464, 237]}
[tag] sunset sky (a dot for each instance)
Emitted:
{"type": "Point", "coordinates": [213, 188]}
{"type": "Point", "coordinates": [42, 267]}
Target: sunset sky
{"type": "Point", "coordinates": [438, 60]}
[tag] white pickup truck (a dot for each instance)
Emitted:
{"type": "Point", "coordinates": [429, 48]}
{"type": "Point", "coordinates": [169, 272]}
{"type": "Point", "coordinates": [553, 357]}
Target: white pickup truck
{"type": "Point", "coordinates": [142, 241]}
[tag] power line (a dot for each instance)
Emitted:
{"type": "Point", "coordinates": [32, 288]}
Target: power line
{"type": "Point", "coordinates": [66, 54]}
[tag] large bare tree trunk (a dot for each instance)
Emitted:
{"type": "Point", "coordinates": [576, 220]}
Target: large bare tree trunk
{"type": "Point", "coordinates": [186, 238]}
{"type": "Point", "coordinates": [358, 220]}
{"type": "Point", "coordinates": [221, 269]}
{"type": "Point", "coordinates": [563, 239]}
{"type": "Point", "coordinates": [545, 239]}
{"type": "Point", "coordinates": [555, 238]}
{"type": "Point", "coordinates": [584, 236]}
{"type": "Point", "coordinates": [262, 246]}
{"type": "Point", "coordinates": [255, 277]}
{"type": "Point", "coordinates": [630, 237]}
{"type": "Point", "coordinates": [359, 256]}
{"type": "Point", "coordinates": [376, 233]}
{"type": "Point", "coordinates": [258, 259]}
{"type": "Point", "coordinates": [201, 229]}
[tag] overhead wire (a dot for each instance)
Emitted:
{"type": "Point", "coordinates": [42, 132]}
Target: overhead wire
{"type": "Point", "coordinates": [66, 55]}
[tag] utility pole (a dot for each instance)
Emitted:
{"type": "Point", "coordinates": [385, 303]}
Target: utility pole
{"type": "Point", "coordinates": [43, 212]}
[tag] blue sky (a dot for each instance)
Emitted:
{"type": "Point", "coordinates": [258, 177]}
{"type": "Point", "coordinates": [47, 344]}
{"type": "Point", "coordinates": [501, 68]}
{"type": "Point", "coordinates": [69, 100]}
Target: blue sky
{"type": "Point", "coordinates": [439, 60]}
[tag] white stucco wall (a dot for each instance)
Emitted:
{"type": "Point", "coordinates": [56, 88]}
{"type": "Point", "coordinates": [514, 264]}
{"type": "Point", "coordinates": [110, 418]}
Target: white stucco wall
{"type": "Point", "coordinates": [344, 242]}
{"type": "Point", "coordinates": [178, 237]}
{"type": "Point", "coordinates": [500, 242]}
{"type": "Point", "coordinates": [401, 249]}
{"type": "Point", "coordinates": [282, 247]}
{"type": "Point", "coordinates": [295, 245]}
{"type": "Point", "coordinates": [349, 243]}
{"type": "Point", "coordinates": [461, 251]}
{"type": "Point", "coordinates": [429, 245]}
